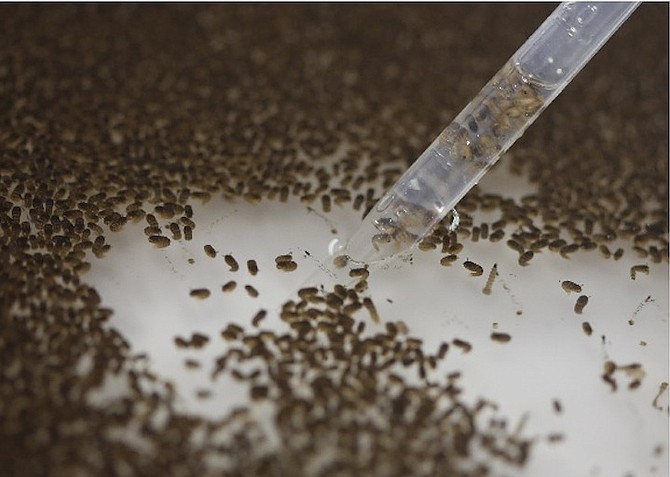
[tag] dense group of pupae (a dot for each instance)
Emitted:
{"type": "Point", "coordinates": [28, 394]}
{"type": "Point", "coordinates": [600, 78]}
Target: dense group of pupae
{"type": "Point", "coordinates": [126, 114]}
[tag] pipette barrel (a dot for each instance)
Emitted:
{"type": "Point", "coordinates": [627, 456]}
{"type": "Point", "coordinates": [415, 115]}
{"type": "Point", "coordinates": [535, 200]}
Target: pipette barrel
{"type": "Point", "coordinates": [486, 128]}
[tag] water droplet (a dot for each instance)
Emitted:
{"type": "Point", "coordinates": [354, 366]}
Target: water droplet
{"type": "Point", "coordinates": [335, 246]}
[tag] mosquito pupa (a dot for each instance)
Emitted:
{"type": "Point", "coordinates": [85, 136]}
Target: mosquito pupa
{"type": "Point", "coordinates": [516, 246]}
{"type": "Point", "coordinates": [500, 337]}
{"type": "Point", "coordinates": [464, 345]}
{"type": "Point", "coordinates": [200, 293]}
{"type": "Point", "coordinates": [474, 268]}
{"type": "Point", "coordinates": [229, 286]}
{"type": "Point", "coordinates": [341, 261]}
{"type": "Point", "coordinates": [252, 267]}
{"type": "Point", "coordinates": [176, 231]}
{"type": "Point", "coordinates": [231, 262]}
{"type": "Point", "coordinates": [159, 241]}
{"type": "Point", "coordinates": [581, 303]}
{"type": "Point", "coordinates": [570, 286]}
{"type": "Point", "coordinates": [448, 260]}
{"type": "Point", "coordinates": [526, 257]}
{"type": "Point", "coordinates": [497, 235]}
{"type": "Point", "coordinates": [635, 269]}
{"type": "Point", "coordinates": [258, 317]}
{"type": "Point", "coordinates": [370, 306]}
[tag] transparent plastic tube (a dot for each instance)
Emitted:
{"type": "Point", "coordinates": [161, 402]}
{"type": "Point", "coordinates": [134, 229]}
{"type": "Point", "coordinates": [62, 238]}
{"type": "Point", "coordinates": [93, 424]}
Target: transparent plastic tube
{"type": "Point", "coordinates": [485, 129]}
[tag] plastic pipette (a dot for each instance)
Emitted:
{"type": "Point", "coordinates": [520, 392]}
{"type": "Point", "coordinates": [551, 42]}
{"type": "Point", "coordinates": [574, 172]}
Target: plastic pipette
{"type": "Point", "coordinates": [485, 129]}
